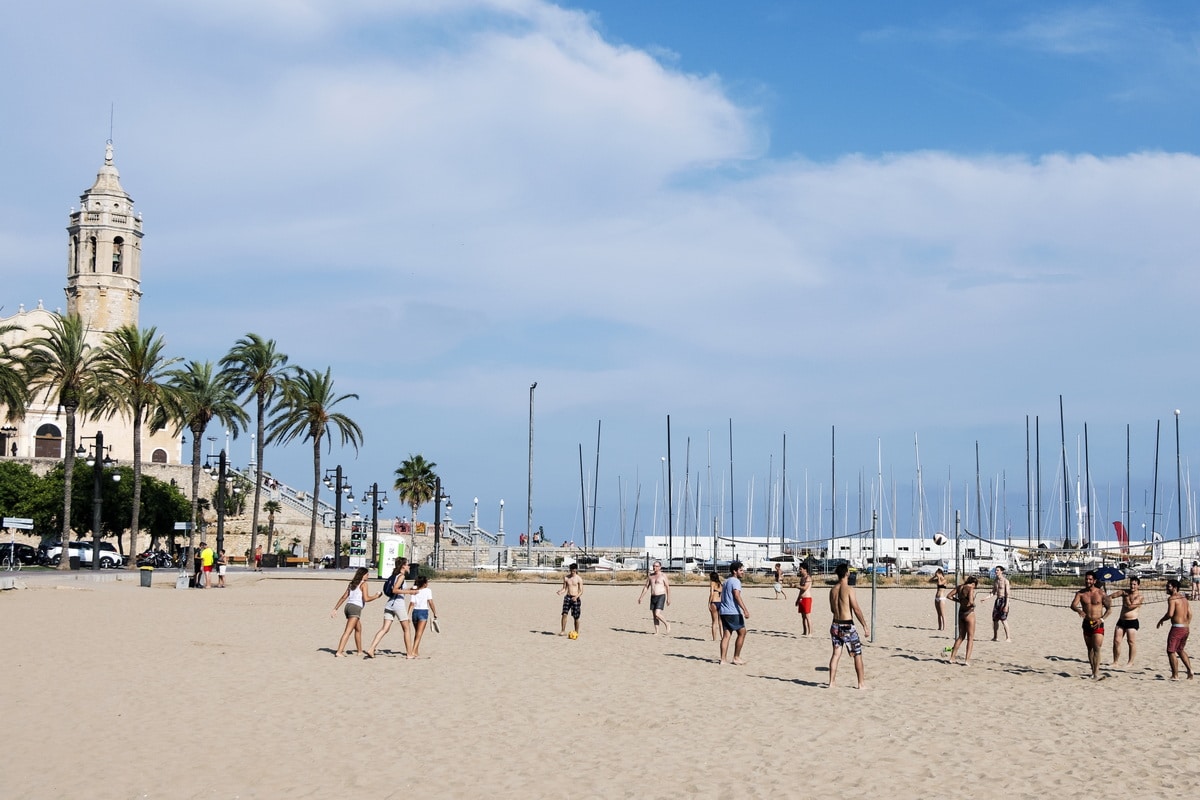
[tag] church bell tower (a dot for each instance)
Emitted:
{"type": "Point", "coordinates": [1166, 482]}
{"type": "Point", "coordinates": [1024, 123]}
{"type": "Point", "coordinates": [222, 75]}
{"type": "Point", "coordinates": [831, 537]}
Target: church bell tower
{"type": "Point", "coordinates": [104, 254]}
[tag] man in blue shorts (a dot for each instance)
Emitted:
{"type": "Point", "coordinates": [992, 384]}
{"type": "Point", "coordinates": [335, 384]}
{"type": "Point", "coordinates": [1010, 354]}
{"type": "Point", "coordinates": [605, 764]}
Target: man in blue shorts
{"type": "Point", "coordinates": [733, 614]}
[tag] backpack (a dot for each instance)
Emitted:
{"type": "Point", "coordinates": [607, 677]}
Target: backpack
{"type": "Point", "coordinates": [389, 587]}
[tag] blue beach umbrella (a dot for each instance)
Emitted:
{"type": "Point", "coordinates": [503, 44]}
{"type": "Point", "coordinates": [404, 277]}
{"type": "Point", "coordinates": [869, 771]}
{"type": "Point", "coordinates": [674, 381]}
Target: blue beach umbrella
{"type": "Point", "coordinates": [1109, 574]}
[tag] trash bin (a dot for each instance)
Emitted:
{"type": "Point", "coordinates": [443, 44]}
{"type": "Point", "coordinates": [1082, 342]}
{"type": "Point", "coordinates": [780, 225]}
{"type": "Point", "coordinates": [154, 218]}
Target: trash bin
{"type": "Point", "coordinates": [853, 577]}
{"type": "Point", "coordinates": [147, 575]}
{"type": "Point", "coordinates": [73, 561]}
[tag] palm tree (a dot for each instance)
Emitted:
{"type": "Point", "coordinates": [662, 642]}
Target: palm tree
{"type": "Point", "coordinates": [60, 362]}
{"type": "Point", "coordinates": [305, 410]}
{"type": "Point", "coordinates": [134, 379]}
{"type": "Point", "coordinates": [272, 507]}
{"type": "Point", "coordinates": [256, 368]}
{"type": "Point", "coordinates": [415, 483]}
{"type": "Point", "coordinates": [198, 396]}
{"type": "Point", "coordinates": [13, 391]}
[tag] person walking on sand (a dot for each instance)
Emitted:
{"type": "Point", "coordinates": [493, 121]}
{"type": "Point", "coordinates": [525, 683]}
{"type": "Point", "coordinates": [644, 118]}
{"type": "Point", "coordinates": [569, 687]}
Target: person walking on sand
{"type": "Point", "coordinates": [1194, 579]}
{"type": "Point", "coordinates": [222, 564]}
{"type": "Point", "coordinates": [660, 595]}
{"type": "Point", "coordinates": [778, 585]}
{"type": "Point", "coordinates": [964, 595]}
{"type": "Point", "coordinates": [844, 605]}
{"type": "Point", "coordinates": [357, 595]}
{"type": "Point", "coordinates": [1127, 622]}
{"type": "Point", "coordinates": [395, 609]}
{"type": "Point", "coordinates": [1180, 615]}
{"type": "Point", "coordinates": [939, 597]}
{"type": "Point", "coordinates": [422, 607]}
{"type": "Point", "coordinates": [258, 558]}
{"type": "Point", "coordinates": [714, 603]}
{"type": "Point", "coordinates": [999, 598]}
{"type": "Point", "coordinates": [733, 615]}
{"type": "Point", "coordinates": [804, 601]}
{"type": "Point", "coordinates": [572, 591]}
{"type": "Point", "coordinates": [1092, 605]}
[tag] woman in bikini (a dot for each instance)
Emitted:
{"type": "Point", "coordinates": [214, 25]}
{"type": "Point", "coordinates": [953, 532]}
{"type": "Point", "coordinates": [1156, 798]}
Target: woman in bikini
{"type": "Point", "coordinates": [714, 600]}
{"type": "Point", "coordinates": [939, 597]}
{"type": "Point", "coordinates": [964, 595]}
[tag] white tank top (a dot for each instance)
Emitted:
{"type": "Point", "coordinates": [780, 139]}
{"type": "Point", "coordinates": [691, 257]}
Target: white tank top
{"type": "Point", "coordinates": [356, 597]}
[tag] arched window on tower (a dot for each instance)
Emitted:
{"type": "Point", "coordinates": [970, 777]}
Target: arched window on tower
{"type": "Point", "coordinates": [75, 254]}
{"type": "Point", "coordinates": [118, 247]}
{"type": "Point", "coordinates": [92, 242]}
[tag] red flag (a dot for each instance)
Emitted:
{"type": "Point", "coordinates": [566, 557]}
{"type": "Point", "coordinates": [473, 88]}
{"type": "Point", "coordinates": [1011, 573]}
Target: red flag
{"type": "Point", "coordinates": [1122, 537]}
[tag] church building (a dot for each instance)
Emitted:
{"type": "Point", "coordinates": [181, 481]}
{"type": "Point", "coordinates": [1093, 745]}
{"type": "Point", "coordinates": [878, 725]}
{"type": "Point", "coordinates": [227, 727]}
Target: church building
{"type": "Point", "coordinates": [104, 286]}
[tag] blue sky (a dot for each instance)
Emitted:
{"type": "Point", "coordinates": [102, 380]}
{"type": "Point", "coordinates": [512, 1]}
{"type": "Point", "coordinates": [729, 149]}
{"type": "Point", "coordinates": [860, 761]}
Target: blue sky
{"type": "Point", "coordinates": [919, 221]}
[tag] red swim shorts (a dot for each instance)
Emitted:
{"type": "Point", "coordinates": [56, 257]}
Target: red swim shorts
{"type": "Point", "coordinates": [1176, 639]}
{"type": "Point", "coordinates": [805, 605]}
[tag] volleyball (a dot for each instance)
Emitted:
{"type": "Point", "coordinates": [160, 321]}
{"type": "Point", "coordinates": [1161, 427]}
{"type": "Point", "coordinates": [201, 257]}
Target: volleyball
{"type": "Point", "coordinates": [940, 539]}
{"type": "Point", "coordinates": [573, 635]}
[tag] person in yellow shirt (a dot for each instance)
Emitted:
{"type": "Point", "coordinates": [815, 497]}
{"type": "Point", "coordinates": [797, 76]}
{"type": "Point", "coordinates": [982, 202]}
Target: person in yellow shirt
{"type": "Point", "coordinates": [206, 564]}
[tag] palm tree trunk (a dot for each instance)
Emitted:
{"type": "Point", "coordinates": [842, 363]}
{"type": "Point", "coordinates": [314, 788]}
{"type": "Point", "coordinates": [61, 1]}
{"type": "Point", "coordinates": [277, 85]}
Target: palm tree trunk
{"type": "Point", "coordinates": [312, 533]}
{"type": "Point", "coordinates": [137, 486]}
{"type": "Point", "coordinates": [196, 436]}
{"type": "Point", "coordinates": [64, 560]}
{"type": "Point", "coordinates": [258, 472]}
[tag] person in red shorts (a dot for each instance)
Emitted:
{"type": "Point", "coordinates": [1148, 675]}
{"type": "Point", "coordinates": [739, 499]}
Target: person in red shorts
{"type": "Point", "coordinates": [804, 601]}
{"type": "Point", "coordinates": [1179, 613]}
{"type": "Point", "coordinates": [1091, 603]}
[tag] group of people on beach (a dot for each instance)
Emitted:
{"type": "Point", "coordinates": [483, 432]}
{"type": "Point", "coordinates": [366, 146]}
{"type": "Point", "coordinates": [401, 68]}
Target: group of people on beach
{"type": "Point", "coordinates": [412, 606]}
{"type": "Point", "coordinates": [206, 563]}
{"type": "Point", "coordinates": [1093, 605]}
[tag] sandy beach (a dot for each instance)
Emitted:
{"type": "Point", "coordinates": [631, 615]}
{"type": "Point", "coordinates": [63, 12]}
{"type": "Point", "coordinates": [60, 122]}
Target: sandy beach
{"type": "Point", "coordinates": [113, 690]}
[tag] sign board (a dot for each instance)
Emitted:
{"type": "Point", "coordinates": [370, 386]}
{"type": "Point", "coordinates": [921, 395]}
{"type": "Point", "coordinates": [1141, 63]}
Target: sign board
{"type": "Point", "coordinates": [183, 526]}
{"type": "Point", "coordinates": [20, 523]}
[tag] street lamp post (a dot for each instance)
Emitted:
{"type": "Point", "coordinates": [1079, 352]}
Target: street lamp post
{"type": "Point", "coordinates": [339, 485]}
{"type": "Point", "coordinates": [222, 465]}
{"type": "Point", "coordinates": [376, 506]}
{"type": "Point", "coordinates": [438, 497]}
{"type": "Point", "coordinates": [98, 459]}
{"type": "Point", "coordinates": [529, 495]}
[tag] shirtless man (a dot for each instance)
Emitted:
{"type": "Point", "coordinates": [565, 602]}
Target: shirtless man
{"type": "Point", "coordinates": [844, 606]}
{"type": "Point", "coordinates": [572, 591]}
{"type": "Point", "coordinates": [660, 595]}
{"type": "Point", "coordinates": [1092, 605]}
{"type": "Point", "coordinates": [778, 585]}
{"type": "Point", "coordinates": [1195, 580]}
{"type": "Point", "coordinates": [804, 601]}
{"type": "Point", "coordinates": [1180, 615]}
{"type": "Point", "coordinates": [1127, 623]}
{"type": "Point", "coordinates": [999, 599]}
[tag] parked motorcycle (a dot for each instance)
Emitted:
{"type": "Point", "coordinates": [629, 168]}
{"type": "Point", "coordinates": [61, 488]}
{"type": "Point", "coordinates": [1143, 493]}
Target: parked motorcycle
{"type": "Point", "coordinates": [159, 559]}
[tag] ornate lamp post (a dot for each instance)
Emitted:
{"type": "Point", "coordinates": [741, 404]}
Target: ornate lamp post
{"type": "Point", "coordinates": [438, 497]}
{"type": "Point", "coordinates": [339, 484]}
{"type": "Point", "coordinates": [97, 459]}
{"type": "Point", "coordinates": [222, 466]}
{"type": "Point", "coordinates": [377, 505]}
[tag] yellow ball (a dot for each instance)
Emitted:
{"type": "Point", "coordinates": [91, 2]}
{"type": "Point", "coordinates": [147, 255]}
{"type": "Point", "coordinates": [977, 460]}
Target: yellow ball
{"type": "Point", "coordinates": [573, 635]}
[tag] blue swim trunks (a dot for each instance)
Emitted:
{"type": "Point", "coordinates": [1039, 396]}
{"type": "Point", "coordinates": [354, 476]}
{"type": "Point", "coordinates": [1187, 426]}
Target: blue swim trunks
{"type": "Point", "coordinates": [733, 622]}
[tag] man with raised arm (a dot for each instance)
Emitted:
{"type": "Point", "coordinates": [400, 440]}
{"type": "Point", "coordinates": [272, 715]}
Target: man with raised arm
{"type": "Point", "coordinates": [1127, 622]}
{"type": "Point", "coordinates": [844, 606]}
{"type": "Point", "coordinates": [1180, 615]}
{"type": "Point", "coordinates": [1092, 605]}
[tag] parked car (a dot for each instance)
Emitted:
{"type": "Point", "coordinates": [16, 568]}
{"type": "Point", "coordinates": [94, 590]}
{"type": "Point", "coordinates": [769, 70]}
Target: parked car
{"type": "Point", "coordinates": [109, 557]}
{"type": "Point", "coordinates": [14, 553]}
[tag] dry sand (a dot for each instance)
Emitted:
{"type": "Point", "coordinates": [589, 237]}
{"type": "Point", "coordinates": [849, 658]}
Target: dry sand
{"type": "Point", "coordinates": [113, 690]}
